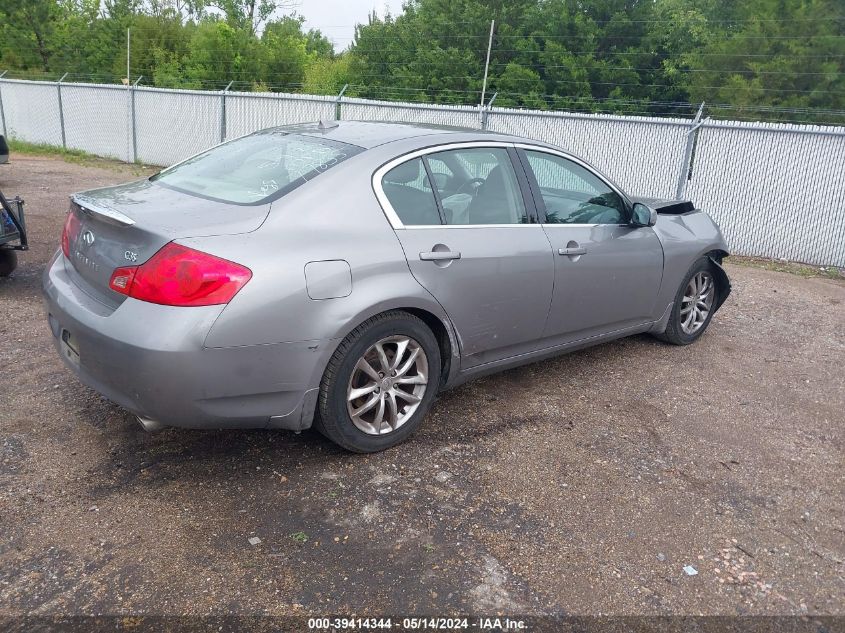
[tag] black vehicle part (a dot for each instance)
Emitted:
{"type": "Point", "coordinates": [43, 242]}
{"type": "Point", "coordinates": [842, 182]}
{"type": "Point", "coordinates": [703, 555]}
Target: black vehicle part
{"type": "Point", "coordinates": [8, 261]}
{"type": "Point", "coordinates": [13, 210]}
{"type": "Point", "coordinates": [722, 279]}
{"type": "Point", "coordinates": [12, 229]}
{"type": "Point", "coordinates": [668, 207]}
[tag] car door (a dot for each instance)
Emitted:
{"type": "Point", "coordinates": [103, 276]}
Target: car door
{"type": "Point", "coordinates": [472, 242]}
{"type": "Point", "coordinates": [607, 273]}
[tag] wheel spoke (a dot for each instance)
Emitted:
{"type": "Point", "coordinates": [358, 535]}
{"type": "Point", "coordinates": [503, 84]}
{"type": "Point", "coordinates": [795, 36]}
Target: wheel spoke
{"type": "Point", "coordinates": [686, 309]}
{"type": "Point", "coordinates": [419, 379]}
{"type": "Point", "coordinates": [382, 358]}
{"type": "Point", "coordinates": [392, 411]}
{"type": "Point", "coordinates": [364, 366]}
{"type": "Point", "coordinates": [412, 357]}
{"type": "Point", "coordinates": [369, 404]}
{"type": "Point", "coordinates": [358, 392]}
{"type": "Point", "coordinates": [401, 346]}
{"type": "Point", "coordinates": [408, 396]}
{"type": "Point", "coordinates": [379, 417]}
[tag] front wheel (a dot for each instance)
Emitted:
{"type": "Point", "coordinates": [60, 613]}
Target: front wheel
{"type": "Point", "coordinates": [380, 383]}
{"type": "Point", "coordinates": [694, 305]}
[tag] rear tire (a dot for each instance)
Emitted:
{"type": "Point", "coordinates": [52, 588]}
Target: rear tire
{"type": "Point", "coordinates": [8, 261]}
{"type": "Point", "coordinates": [393, 361]}
{"type": "Point", "coordinates": [691, 316]}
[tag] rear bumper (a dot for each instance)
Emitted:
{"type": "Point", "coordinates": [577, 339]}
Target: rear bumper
{"type": "Point", "coordinates": [150, 359]}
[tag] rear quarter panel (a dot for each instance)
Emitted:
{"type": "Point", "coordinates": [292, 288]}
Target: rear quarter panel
{"type": "Point", "coordinates": [334, 217]}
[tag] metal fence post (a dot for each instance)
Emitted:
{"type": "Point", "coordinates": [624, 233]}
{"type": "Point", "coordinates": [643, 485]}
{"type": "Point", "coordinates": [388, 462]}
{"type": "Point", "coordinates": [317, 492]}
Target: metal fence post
{"type": "Point", "coordinates": [338, 101]}
{"type": "Point", "coordinates": [61, 110]}
{"type": "Point", "coordinates": [134, 127]}
{"type": "Point", "coordinates": [2, 113]}
{"type": "Point", "coordinates": [223, 111]}
{"type": "Point", "coordinates": [485, 110]}
{"type": "Point", "coordinates": [692, 133]}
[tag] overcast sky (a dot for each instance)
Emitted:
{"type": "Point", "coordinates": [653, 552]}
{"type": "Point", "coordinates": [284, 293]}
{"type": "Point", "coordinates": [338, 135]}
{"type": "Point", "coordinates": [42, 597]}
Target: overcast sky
{"type": "Point", "coordinates": [337, 18]}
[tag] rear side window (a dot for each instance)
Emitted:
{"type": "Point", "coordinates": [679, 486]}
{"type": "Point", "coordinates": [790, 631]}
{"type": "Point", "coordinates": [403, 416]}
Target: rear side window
{"type": "Point", "coordinates": [482, 187]}
{"type": "Point", "coordinates": [408, 189]}
{"type": "Point", "coordinates": [256, 169]}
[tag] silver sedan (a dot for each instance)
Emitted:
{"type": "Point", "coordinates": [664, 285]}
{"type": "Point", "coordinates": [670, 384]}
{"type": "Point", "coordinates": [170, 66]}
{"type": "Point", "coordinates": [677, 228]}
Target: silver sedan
{"type": "Point", "coordinates": [342, 274]}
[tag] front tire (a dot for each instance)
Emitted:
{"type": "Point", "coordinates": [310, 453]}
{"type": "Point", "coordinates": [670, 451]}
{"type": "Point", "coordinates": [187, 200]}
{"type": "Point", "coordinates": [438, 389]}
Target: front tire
{"type": "Point", "coordinates": [695, 303]}
{"type": "Point", "coordinates": [380, 383]}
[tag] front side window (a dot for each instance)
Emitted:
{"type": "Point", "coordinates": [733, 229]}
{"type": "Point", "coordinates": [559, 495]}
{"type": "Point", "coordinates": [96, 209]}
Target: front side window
{"type": "Point", "coordinates": [478, 186]}
{"type": "Point", "coordinates": [573, 194]}
{"type": "Point", "coordinates": [409, 191]}
{"type": "Point", "coordinates": [256, 169]}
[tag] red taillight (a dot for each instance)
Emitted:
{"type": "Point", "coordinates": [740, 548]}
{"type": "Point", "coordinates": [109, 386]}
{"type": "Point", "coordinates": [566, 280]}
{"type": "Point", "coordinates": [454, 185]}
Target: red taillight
{"type": "Point", "coordinates": [181, 276]}
{"type": "Point", "coordinates": [71, 231]}
{"type": "Point", "coordinates": [121, 279]}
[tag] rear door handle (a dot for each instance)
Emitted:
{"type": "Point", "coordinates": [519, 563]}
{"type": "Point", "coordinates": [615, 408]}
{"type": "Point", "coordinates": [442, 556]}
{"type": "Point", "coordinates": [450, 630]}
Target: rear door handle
{"type": "Point", "coordinates": [579, 250]}
{"type": "Point", "coordinates": [438, 256]}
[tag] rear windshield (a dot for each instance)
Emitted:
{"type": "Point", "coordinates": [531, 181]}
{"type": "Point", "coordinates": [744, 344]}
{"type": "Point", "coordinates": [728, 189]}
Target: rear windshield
{"type": "Point", "coordinates": [256, 169]}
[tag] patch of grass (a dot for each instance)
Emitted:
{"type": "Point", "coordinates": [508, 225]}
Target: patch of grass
{"type": "Point", "coordinates": [76, 156]}
{"type": "Point", "coordinates": [299, 537]}
{"type": "Point", "coordinates": [43, 149]}
{"type": "Point", "coordinates": [802, 270]}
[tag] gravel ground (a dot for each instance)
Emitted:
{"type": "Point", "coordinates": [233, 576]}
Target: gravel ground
{"type": "Point", "coordinates": [580, 485]}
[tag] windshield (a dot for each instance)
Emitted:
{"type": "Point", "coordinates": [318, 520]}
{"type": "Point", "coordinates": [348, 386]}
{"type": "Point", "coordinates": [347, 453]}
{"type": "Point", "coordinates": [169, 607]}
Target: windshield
{"type": "Point", "coordinates": [256, 169]}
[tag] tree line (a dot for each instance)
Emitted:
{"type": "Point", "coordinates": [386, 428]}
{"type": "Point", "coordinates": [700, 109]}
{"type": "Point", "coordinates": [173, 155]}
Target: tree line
{"type": "Point", "coordinates": [759, 59]}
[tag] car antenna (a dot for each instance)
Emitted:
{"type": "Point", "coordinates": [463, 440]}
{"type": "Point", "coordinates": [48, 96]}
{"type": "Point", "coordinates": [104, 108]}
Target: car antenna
{"type": "Point", "coordinates": [325, 125]}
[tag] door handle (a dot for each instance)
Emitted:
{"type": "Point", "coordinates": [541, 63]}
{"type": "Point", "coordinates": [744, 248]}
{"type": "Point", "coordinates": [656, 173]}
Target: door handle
{"type": "Point", "coordinates": [578, 250]}
{"type": "Point", "coordinates": [438, 256]}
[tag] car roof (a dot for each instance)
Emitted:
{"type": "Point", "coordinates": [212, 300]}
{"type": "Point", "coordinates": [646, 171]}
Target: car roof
{"type": "Point", "coordinates": [369, 134]}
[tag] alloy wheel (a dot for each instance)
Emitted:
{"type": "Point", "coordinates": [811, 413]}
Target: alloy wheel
{"type": "Point", "coordinates": [697, 302]}
{"type": "Point", "coordinates": [387, 385]}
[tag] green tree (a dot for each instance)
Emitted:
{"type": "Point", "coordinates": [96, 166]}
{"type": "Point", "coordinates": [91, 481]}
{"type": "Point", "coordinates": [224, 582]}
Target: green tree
{"type": "Point", "coordinates": [28, 28]}
{"type": "Point", "coordinates": [327, 75]}
{"type": "Point", "coordinates": [219, 53]}
{"type": "Point", "coordinates": [249, 15]}
{"type": "Point", "coordinates": [284, 53]}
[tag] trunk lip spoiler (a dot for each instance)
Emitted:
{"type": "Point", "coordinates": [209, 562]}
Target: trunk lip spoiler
{"type": "Point", "coordinates": [108, 214]}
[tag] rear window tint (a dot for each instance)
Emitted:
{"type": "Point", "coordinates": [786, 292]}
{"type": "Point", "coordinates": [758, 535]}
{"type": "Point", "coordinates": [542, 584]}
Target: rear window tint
{"type": "Point", "coordinates": [256, 169]}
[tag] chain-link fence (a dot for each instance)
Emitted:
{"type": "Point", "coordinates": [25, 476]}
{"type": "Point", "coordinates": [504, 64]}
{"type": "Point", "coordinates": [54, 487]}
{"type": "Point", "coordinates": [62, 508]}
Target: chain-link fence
{"type": "Point", "coordinates": [777, 190]}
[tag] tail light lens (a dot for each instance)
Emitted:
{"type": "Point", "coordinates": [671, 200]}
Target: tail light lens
{"type": "Point", "coordinates": [71, 231]}
{"type": "Point", "coordinates": [181, 276]}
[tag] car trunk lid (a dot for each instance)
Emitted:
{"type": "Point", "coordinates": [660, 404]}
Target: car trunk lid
{"type": "Point", "coordinates": [126, 225]}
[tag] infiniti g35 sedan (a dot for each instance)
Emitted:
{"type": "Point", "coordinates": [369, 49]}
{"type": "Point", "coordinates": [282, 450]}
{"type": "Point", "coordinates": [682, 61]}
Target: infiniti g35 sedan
{"type": "Point", "coordinates": [341, 274]}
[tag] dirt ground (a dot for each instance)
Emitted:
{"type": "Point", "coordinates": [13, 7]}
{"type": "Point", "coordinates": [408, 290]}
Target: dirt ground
{"type": "Point", "coordinates": [580, 485]}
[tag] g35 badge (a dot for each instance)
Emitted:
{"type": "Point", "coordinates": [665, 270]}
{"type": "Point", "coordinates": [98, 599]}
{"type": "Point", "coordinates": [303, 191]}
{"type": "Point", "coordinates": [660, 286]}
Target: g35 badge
{"type": "Point", "coordinates": [130, 256]}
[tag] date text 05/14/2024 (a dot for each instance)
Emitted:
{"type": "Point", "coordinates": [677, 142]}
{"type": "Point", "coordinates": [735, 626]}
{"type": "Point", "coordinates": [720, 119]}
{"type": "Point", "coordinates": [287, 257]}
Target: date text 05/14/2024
{"type": "Point", "coordinates": [418, 624]}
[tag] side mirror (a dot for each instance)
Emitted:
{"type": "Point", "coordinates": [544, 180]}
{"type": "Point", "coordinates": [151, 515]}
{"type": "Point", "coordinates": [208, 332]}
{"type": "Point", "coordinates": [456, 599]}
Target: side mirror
{"type": "Point", "coordinates": [643, 215]}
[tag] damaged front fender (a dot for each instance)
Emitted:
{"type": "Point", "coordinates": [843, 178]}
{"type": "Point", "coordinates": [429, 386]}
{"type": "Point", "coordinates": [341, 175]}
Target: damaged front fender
{"type": "Point", "coordinates": [723, 280]}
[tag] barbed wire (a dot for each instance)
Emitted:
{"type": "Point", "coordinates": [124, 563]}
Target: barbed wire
{"type": "Point", "coordinates": [580, 105]}
{"type": "Point", "coordinates": [219, 83]}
